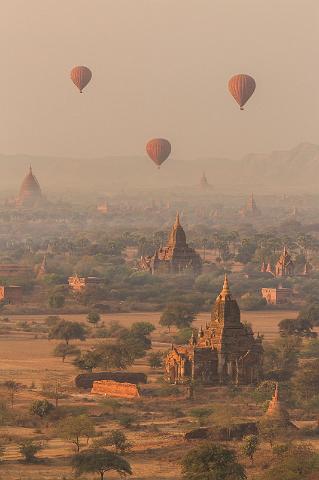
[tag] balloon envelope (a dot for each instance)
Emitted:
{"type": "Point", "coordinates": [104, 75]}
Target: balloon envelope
{"type": "Point", "coordinates": [158, 150]}
{"type": "Point", "coordinates": [241, 87]}
{"type": "Point", "coordinates": [81, 76]}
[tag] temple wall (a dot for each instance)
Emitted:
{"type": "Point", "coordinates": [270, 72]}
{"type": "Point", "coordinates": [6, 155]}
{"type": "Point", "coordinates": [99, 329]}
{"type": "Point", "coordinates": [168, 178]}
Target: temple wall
{"type": "Point", "coordinates": [113, 389]}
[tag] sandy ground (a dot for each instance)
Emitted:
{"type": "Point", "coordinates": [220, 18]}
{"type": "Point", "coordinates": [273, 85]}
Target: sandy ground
{"type": "Point", "coordinates": [29, 360]}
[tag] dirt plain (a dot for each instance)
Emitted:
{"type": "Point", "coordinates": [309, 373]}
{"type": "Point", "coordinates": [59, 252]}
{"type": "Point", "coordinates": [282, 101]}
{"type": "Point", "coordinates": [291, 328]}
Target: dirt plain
{"type": "Point", "coordinates": [157, 439]}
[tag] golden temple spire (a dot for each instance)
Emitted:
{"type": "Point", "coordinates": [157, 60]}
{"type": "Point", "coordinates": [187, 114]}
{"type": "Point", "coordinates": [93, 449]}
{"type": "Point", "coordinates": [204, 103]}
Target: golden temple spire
{"type": "Point", "coordinates": [177, 221]}
{"type": "Point", "coordinates": [276, 394]}
{"type": "Point", "coordinates": [225, 291]}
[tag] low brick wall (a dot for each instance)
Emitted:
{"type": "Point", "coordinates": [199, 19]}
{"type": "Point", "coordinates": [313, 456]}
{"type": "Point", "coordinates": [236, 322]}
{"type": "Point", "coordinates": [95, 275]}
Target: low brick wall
{"type": "Point", "coordinates": [86, 380]}
{"type": "Point", "coordinates": [109, 388]}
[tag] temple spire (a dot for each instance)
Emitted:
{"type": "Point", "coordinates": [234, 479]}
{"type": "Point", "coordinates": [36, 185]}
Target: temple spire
{"type": "Point", "coordinates": [225, 290]}
{"type": "Point", "coordinates": [276, 394]}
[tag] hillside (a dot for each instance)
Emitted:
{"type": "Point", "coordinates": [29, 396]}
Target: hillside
{"type": "Point", "coordinates": [296, 169]}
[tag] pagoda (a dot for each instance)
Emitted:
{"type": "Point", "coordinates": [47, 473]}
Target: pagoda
{"type": "Point", "coordinates": [175, 257]}
{"type": "Point", "coordinates": [42, 271]}
{"type": "Point", "coordinates": [250, 209]}
{"type": "Point", "coordinates": [224, 352]}
{"type": "Point", "coordinates": [30, 193]}
{"type": "Point", "coordinates": [204, 182]}
{"type": "Point", "coordinates": [285, 267]}
{"type": "Point", "coordinates": [277, 412]}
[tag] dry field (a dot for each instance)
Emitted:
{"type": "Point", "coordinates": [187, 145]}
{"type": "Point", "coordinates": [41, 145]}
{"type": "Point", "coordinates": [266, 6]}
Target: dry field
{"type": "Point", "coordinates": [158, 443]}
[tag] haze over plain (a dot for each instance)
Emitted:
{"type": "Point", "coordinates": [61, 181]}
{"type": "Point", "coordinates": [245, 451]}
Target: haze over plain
{"type": "Point", "coordinates": [160, 68]}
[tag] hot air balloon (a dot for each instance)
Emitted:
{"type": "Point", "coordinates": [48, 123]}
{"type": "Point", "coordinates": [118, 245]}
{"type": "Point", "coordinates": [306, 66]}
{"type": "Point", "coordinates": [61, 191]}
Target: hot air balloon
{"type": "Point", "coordinates": [81, 76]}
{"type": "Point", "coordinates": [241, 87]}
{"type": "Point", "coordinates": [158, 150]}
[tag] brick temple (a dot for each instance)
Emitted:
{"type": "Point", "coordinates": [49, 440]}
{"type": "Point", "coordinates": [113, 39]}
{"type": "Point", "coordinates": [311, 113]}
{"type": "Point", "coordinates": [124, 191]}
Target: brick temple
{"type": "Point", "coordinates": [225, 351]}
{"type": "Point", "coordinates": [30, 193]}
{"type": "Point", "coordinates": [176, 257]}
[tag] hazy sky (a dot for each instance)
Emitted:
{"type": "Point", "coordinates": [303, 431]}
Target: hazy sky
{"type": "Point", "coordinates": [160, 68]}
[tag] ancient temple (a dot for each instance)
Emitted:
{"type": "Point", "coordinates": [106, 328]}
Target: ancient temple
{"type": "Point", "coordinates": [30, 193]}
{"type": "Point", "coordinates": [276, 409]}
{"type": "Point", "coordinates": [102, 207]}
{"type": "Point", "coordinates": [250, 209]}
{"type": "Point", "coordinates": [307, 268]}
{"type": "Point", "coordinates": [278, 414]}
{"type": "Point", "coordinates": [42, 271]}
{"type": "Point", "coordinates": [204, 182]}
{"type": "Point", "coordinates": [175, 257]}
{"type": "Point", "coordinates": [285, 266]}
{"type": "Point", "coordinates": [223, 352]}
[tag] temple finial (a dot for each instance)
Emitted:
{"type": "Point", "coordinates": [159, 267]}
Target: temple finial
{"type": "Point", "coordinates": [225, 291]}
{"type": "Point", "coordinates": [276, 394]}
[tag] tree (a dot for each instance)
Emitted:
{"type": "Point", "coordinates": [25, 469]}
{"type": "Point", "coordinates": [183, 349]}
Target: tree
{"type": "Point", "coordinates": [63, 350]}
{"type": "Point", "coordinates": [271, 430]}
{"type": "Point", "coordinates": [166, 320]}
{"type": "Point", "coordinates": [115, 438]}
{"type": "Point", "coordinates": [67, 330]}
{"type": "Point", "coordinates": [41, 408]}
{"type": "Point", "coordinates": [52, 320]}
{"type": "Point", "coordinates": [299, 327]}
{"type": "Point", "coordinates": [306, 380]}
{"type": "Point", "coordinates": [251, 301]}
{"type": "Point", "coordinates": [281, 358]}
{"type": "Point", "coordinates": [202, 414]}
{"type": "Point", "coordinates": [131, 344]}
{"type": "Point", "coordinates": [55, 390]}
{"type": "Point", "coordinates": [250, 446]}
{"type": "Point", "coordinates": [100, 461]}
{"type": "Point", "coordinates": [114, 356]}
{"type": "Point", "coordinates": [29, 449]}
{"type": "Point", "coordinates": [136, 340]}
{"type": "Point", "coordinates": [73, 428]}
{"type": "Point", "coordinates": [212, 462]}
{"type": "Point", "coordinates": [88, 360]}
{"type": "Point", "coordinates": [264, 391]}
{"type": "Point", "coordinates": [224, 417]}
{"type": "Point", "coordinates": [56, 301]}
{"type": "Point", "coordinates": [297, 462]}
{"type": "Point", "coordinates": [94, 318]}
{"type": "Point", "coordinates": [155, 359]}
{"type": "Point", "coordinates": [178, 314]}
{"type": "Point", "coordinates": [13, 388]}
{"type": "Point", "coordinates": [310, 313]}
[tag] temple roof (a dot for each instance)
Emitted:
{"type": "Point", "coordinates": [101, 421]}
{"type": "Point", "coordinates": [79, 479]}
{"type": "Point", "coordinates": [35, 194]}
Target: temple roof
{"type": "Point", "coordinates": [225, 292]}
{"type": "Point", "coordinates": [276, 409]}
{"type": "Point", "coordinates": [285, 258]}
{"type": "Point", "coordinates": [177, 236]}
{"type": "Point", "coordinates": [204, 181]}
{"type": "Point", "coordinates": [226, 310]}
{"type": "Point", "coordinates": [30, 189]}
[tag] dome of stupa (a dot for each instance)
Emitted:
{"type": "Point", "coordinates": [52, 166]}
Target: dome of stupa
{"type": "Point", "coordinates": [30, 190]}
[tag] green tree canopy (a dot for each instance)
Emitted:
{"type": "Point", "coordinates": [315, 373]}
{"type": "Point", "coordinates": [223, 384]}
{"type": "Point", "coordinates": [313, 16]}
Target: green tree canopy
{"type": "Point", "coordinates": [298, 462]}
{"type": "Point", "coordinates": [178, 314]}
{"type": "Point", "coordinates": [62, 350]}
{"type": "Point", "coordinates": [67, 330]}
{"type": "Point", "coordinates": [73, 428]}
{"type": "Point", "coordinates": [299, 327]}
{"type": "Point", "coordinates": [94, 318]}
{"type": "Point", "coordinates": [212, 462]}
{"type": "Point", "coordinates": [99, 460]}
{"type": "Point", "coordinates": [41, 408]}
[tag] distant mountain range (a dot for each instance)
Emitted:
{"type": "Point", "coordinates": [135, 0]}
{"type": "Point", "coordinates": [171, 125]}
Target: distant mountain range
{"type": "Point", "coordinates": [296, 169]}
